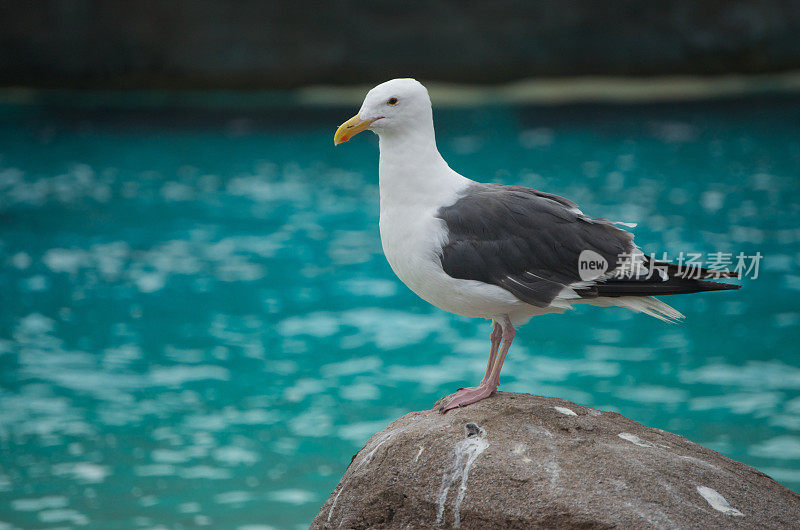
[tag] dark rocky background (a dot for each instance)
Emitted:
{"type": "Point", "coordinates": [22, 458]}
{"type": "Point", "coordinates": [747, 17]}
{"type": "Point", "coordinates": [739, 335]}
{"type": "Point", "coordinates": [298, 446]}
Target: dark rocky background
{"type": "Point", "coordinates": [261, 44]}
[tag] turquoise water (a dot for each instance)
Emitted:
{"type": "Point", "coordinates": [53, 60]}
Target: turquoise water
{"type": "Point", "coordinates": [198, 327]}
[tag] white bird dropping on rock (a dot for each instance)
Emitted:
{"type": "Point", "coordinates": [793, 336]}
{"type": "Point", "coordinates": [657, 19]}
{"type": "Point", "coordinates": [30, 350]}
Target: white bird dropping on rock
{"type": "Point", "coordinates": [717, 501]}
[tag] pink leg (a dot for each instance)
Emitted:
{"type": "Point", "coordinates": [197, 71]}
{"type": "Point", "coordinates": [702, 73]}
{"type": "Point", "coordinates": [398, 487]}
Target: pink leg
{"type": "Point", "coordinates": [495, 337]}
{"type": "Point", "coordinates": [508, 338]}
{"type": "Point", "coordinates": [466, 396]}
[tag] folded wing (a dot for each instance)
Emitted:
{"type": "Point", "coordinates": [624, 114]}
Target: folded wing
{"type": "Point", "coordinates": [529, 243]}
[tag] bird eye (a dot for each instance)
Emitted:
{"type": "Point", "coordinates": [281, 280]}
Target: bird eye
{"type": "Point", "coordinates": [391, 101]}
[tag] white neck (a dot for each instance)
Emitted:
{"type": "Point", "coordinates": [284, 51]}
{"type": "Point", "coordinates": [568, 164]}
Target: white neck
{"type": "Point", "coordinates": [412, 172]}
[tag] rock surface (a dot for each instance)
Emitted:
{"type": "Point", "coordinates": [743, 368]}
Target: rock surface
{"type": "Point", "coordinates": [522, 461]}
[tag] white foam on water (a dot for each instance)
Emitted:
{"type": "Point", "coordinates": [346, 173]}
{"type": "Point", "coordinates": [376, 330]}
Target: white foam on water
{"type": "Point", "coordinates": [360, 392]}
{"type": "Point", "coordinates": [292, 496]}
{"type": "Point", "coordinates": [232, 455]}
{"type": "Point", "coordinates": [312, 423]}
{"type": "Point", "coordinates": [65, 260]}
{"type": "Point", "coordinates": [360, 432]}
{"type": "Point", "coordinates": [63, 516]}
{"type": "Point", "coordinates": [21, 260]}
{"type": "Point", "coordinates": [189, 507]}
{"type": "Point", "coordinates": [178, 375]}
{"type": "Point", "coordinates": [233, 497]}
{"type": "Point", "coordinates": [154, 470]}
{"type": "Point", "coordinates": [42, 503]}
{"type": "Point", "coordinates": [83, 471]}
{"type": "Point", "coordinates": [785, 446]}
{"type": "Point", "coordinates": [150, 282]}
{"type": "Point", "coordinates": [169, 456]}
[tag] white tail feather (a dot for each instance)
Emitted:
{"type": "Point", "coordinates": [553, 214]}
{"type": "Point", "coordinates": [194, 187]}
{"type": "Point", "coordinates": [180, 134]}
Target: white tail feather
{"type": "Point", "coordinates": [650, 306]}
{"type": "Point", "coordinates": [641, 304]}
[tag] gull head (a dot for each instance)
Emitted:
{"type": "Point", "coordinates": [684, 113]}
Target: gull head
{"type": "Point", "coordinates": [396, 106]}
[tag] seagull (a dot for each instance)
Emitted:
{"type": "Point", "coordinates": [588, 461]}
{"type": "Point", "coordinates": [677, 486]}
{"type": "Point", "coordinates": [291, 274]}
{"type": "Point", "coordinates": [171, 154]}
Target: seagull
{"type": "Point", "coordinates": [499, 252]}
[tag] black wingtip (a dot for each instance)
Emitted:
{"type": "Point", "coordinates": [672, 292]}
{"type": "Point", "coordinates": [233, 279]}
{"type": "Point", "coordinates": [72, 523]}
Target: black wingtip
{"type": "Point", "coordinates": [656, 288]}
{"type": "Point", "coordinates": [718, 286]}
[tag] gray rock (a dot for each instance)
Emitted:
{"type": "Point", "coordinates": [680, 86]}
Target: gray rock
{"type": "Point", "coordinates": [522, 461]}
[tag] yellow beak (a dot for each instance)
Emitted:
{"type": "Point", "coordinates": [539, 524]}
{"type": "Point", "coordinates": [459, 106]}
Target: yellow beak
{"type": "Point", "coordinates": [350, 128]}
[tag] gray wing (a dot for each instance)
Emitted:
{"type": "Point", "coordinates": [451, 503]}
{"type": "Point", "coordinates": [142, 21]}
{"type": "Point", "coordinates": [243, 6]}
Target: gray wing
{"type": "Point", "coordinates": [524, 240]}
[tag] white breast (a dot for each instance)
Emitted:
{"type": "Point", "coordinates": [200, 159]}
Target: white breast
{"type": "Point", "coordinates": [415, 182]}
{"type": "Point", "coordinates": [412, 238]}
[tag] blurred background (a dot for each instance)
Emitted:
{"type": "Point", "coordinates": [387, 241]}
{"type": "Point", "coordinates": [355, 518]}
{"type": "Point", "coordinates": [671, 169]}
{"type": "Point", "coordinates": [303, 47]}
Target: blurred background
{"type": "Point", "coordinates": [198, 327]}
